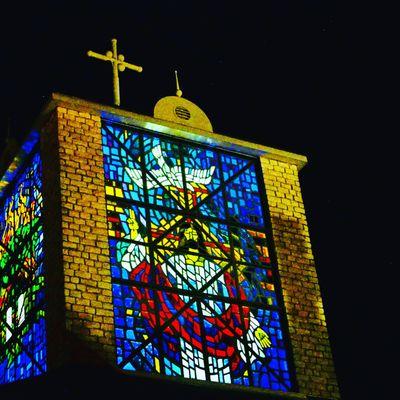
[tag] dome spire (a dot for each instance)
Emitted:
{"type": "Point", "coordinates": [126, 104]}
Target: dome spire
{"type": "Point", "coordinates": [178, 90]}
{"type": "Point", "coordinates": [181, 111]}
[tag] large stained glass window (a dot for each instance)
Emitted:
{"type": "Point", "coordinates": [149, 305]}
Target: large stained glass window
{"type": "Point", "coordinates": [194, 289]}
{"type": "Point", "coordinates": [22, 323]}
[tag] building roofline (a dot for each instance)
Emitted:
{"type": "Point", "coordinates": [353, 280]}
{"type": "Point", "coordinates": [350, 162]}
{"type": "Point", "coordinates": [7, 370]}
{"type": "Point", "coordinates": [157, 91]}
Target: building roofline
{"type": "Point", "coordinates": [169, 127]}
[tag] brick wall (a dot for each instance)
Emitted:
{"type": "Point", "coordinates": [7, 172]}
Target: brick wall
{"type": "Point", "coordinates": [74, 190]}
{"type": "Point", "coordinates": [85, 253]}
{"type": "Point", "coordinates": [301, 292]}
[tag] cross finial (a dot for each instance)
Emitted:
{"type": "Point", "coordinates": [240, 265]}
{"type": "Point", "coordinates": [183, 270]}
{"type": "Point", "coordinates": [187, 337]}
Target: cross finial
{"type": "Point", "coordinates": [118, 64]}
{"type": "Point", "coordinates": [178, 90]}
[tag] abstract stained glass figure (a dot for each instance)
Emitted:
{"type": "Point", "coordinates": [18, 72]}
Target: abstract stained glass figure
{"type": "Point", "coordinates": [224, 331]}
{"type": "Point", "coordinates": [165, 176]}
{"type": "Point", "coordinates": [22, 326]}
{"type": "Point", "coordinates": [193, 284]}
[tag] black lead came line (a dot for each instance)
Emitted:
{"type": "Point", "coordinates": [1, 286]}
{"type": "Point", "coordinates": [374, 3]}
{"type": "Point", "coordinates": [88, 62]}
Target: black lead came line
{"type": "Point", "coordinates": [168, 322]}
{"type": "Point", "coordinates": [147, 172]}
{"type": "Point", "coordinates": [197, 292]}
{"type": "Point", "coordinates": [197, 206]}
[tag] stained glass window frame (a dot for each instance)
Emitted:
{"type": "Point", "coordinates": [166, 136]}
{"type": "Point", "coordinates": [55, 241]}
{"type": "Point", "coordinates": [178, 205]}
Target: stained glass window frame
{"type": "Point", "coordinates": [266, 229]}
{"type": "Point", "coordinates": [25, 357]}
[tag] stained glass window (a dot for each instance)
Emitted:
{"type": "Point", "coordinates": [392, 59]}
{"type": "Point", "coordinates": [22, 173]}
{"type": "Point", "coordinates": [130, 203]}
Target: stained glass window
{"type": "Point", "coordinates": [22, 314]}
{"type": "Point", "coordinates": [194, 288]}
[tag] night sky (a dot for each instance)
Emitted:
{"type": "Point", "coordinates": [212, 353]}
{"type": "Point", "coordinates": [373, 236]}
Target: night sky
{"type": "Point", "coordinates": [308, 77]}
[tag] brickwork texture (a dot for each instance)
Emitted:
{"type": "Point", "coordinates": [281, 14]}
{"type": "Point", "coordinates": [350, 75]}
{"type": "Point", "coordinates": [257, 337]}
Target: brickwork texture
{"type": "Point", "coordinates": [73, 166]}
{"type": "Point", "coordinates": [85, 254]}
{"type": "Point", "coordinates": [301, 293]}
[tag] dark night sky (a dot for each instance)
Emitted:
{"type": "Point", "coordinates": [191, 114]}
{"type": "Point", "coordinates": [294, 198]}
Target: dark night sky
{"type": "Point", "coordinates": [307, 76]}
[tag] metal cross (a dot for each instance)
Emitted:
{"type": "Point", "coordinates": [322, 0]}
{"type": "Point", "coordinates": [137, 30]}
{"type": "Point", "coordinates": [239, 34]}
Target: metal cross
{"type": "Point", "coordinates": [118, 64]}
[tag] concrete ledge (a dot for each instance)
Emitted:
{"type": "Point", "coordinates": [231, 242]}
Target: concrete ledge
{"type": "Point", "coordinates": [170, 128]}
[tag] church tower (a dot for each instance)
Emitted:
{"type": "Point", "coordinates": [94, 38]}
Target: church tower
{"type": "Point", "coordinates": [161, 252]}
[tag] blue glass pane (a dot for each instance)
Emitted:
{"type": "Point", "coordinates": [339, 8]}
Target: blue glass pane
{"type": "Point", "coordinates": [213, 206]}
{"type": "Point", "coordinates": [273, 373]}
{"type": "Point", "coordinates": [257, 284]}
{"type": "Point", "coordinates": [243, 199]}
{"type": "Point", "coordinates": [231, 165]}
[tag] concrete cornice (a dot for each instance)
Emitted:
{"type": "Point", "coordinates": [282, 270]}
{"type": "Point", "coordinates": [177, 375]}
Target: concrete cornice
{"type": "Point", "coordinates": [169, 128]}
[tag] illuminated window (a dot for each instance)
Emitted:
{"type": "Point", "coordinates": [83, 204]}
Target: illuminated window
{"type": "Point", "coordinates": [22, 323]}
{"type": "Point", "coordinates": [194, 288]}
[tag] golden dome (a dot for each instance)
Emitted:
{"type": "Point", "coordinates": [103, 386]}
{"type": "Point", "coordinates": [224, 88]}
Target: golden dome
{"type": "Point", "coordinates": [181, 111]}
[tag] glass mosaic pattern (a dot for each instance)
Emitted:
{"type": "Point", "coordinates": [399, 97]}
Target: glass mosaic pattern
{"type": "Point", "coordinates": [193, 284]}
{"type": "Point", "coordinates": [22, 315]}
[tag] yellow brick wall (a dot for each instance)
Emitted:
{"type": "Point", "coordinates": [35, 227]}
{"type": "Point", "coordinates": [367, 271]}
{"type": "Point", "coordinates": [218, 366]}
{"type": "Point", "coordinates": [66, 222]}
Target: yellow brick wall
{"type": "Point", "coordinates": [85, 252]}
{"type": "Point", "coordinates": [301, 293]}
{"type": "Point", "coordinates": [74, 178]}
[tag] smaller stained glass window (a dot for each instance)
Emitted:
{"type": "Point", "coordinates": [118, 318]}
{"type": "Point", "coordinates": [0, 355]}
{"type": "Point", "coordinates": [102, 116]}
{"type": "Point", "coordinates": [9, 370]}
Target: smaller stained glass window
{"type": "Point", "coordinates": [22, 312]}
